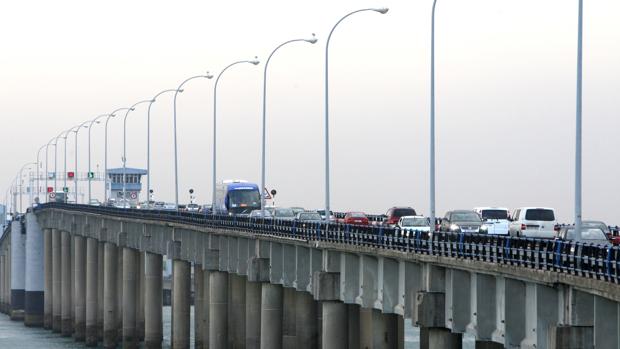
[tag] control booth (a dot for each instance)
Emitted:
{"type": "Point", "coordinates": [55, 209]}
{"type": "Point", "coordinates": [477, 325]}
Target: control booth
{"type": "Point", "coordinates": [133, 184]}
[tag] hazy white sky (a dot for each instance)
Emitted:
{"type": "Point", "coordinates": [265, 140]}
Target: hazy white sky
{"type": "Point", "coordinates": [505, 96]}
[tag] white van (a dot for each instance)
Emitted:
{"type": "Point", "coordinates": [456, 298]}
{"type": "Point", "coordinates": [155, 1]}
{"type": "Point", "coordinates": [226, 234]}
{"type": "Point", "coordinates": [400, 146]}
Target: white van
{"type": "Point", "coordinates": [534, 222]}
{"type": "Point", "coordinates": [495, 219]}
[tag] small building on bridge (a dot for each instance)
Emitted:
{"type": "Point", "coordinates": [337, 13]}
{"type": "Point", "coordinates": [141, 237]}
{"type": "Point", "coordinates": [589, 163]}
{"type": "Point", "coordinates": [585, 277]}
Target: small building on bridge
{"type": "Point", "coordinates": [133, 183]}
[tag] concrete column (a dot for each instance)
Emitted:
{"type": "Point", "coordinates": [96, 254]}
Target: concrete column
{"type": "Point", "coordinates": [252, 314]}
{"type": "Point", "coordinates": [48, 280]}
{"type": "Point", "coordinates": [79, 301]}
{"type": "Point", "coordinates": [140, 298]}
{"type": "Point", "coordinates": [198, 306]}
{"type": "Point", "coordinates": [92, 277]}
{"type": "Point", "coordinates": [218, 309]}
{"type": "Point", "coordinates": [271, 316]}
{"type": "Point", "coordinates": [119, 294]}
{"type": "Point", "coordinates": [306, 321]}
{"type": "Point", "coordinates": [366, 328]}
{"type": "Point", "coordinates": [568, 337]}
{"type": "Point", "coordinates": [130, 259]}
{"type": "Point", "coordinates": [100, 278]}
{"type": "Point", "coordinates": [56, 280]}
{"type": "Point", "coordinates": [492, 345]}
{"type": "Point", "coordinates": [110, 328]}
{"type": "Point", "coordinates": [205, 308]}
{"type": "Point", "coordinates": [440, 338]}
{"type": "Point", "coordinates": [379, 331]}
{"type": "Point", "coordinates": [65, 255]}
{"type": "Point", "coordinates": [181, 300]}
{"type": "Point", "coordinates": [72, 282]}
{"type": "Point", "coordinates": [334, 326]}
{"type": "Point", "coordinates": [2, 281]}
{"type": "Point", "coordinates": [18, 270]}
{"type": "Point", "coordinates": [353, 326]}
{"type": "Point", "coordinates": [35, 276]}
{"type": "Point", "coordinates": [289, 318]}
{"type": "Point", "coordinates": [237, 333]}
{"type": "Point", "coordinates": [153, 332]}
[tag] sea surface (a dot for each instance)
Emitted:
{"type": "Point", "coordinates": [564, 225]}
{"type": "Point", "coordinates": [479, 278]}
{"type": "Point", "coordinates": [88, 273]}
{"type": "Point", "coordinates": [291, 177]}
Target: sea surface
{"type": "Point", "coordinates": [13, 334]}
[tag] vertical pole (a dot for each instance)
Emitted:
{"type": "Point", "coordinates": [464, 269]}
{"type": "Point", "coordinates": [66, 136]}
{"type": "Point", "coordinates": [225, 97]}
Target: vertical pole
{"type": "Point", "coordinates": [215, 143]}
{"type": "Point", "coordinates": [432, 145]}
{"type": "Point", "coordinates": [578, 124]}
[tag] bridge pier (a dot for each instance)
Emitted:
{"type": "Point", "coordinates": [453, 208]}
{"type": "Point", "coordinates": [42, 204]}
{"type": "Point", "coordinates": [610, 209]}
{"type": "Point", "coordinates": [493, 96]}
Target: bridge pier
{"type": "Point", "coordinates": [18, 271]}
{"type": "Point", "coordinates": [130, 262]}
{"type": "Point", "coordinates": [140, 297]}
{"type": "Point", "coordinates": [118, 296]}
{"type": "Point", "coordinates": [306, 331]}
{"type": "Point", "coordinates": [271, 316]}
{"type": "Point", "coordinates": [65, 256]}
{"type": "Point", "coordinates": [35, 277]}
{"type": "Point", "coordinates": [100, 279]}
{"type": "Point", "coordinates": [237, 307]}
{"type": "Point", "coordinates": [181, 304]}
{"type": "Point", "coordinates": [252, 314]}
{"type": "Point", "coordinates": [153, 286]}
{"type": "Point", "coordinates": [56, 281]}
{"type": "Point", "coordinates": [218, 309]}
{"type": "Point", "coordinates": [289, 318]}
{"type": "Point", "coordinates": [199, 306]}
{"type": "Point", "coordinates": [49, 279]}
{"type": "Point", "coordinates": [2, 280]}
{"type": "Point", "coordinates": [92, 277]}
{"type": "Point", "coordinates": [353, 326]}
{"type": "Point", "coordinates": [72, 282]}
{"type": "Point", "coordinates": [110, 327]}
{"type": "Point", "coordinates": [334, 325]}
{"type": "Point", "coordinates": [80, 289]}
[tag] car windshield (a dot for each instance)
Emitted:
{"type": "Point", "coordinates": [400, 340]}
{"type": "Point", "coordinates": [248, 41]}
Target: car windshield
{"type": "Point", "coordinates": [494, 214]}
{"type": "Point", "coordinates": [399, 212]}
{"type": "Point", "coordinates": [309, 216]}
{"type": "Point", "coordinates": [242, 198]}
{"type": "Point", "coordinates": [539, 214]}
{"type": "Point", "coordinates": [587, 234]}
{"type": "Point", "coordinates": [357, 215]}
{"type": "Point", "coordinates": [465, 216]}
{"type": "Point", "coordinates": [415, 222]}
{"type": "Point", "coordinates": [284, 213]}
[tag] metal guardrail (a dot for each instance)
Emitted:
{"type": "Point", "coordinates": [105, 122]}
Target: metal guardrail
{"type": "Point", "coordinates": [568, 257]}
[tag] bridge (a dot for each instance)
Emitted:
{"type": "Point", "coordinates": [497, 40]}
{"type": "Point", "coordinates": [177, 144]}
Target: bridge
{"type": "Point", "coordinates": [95, 273]}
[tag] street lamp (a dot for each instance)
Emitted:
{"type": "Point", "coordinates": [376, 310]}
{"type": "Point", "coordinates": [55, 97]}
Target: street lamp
{"type": "Point", "coordinates": [74, 130]}
{"type": "Point", "coordinates": [21, 186]}
{"type": "Point", "coordinates": [133, 107]}
{"type": "Point", "coordinates": [75, 175]}
{"type": "Point", "coordinates": [148, 146]}
{"type": "Point", "coordinates": [105, 181]}
{"type": "Point", "coordinates": [379, 10]}
{"type": "Point", "coordinates": [56, 160]}
{"type": "Point", "coordinates": [46, 167]}
{"type": "Point", "coordinates": [432, 124]}
{"type": "Point", "coordinates": [176, 158]}
{"type": "Point", "coordinates": [578, 124]}
{"type": "Point", "coordinates": [90, 127]}
{"type": "Point", "coordinates": [255, 61]}
{"type": "Point", "coordinates": [312, 40]}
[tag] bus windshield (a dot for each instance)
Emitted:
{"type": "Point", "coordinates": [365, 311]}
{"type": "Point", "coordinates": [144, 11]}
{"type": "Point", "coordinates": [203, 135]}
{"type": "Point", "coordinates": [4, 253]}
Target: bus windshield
{"type": "Point", "coordinates": [244, 198]}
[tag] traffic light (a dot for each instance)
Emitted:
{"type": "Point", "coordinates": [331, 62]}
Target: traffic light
{"type": "Point", "coordinates": [50, 189]}
{"type": "Point", "coordinates": [65, 189]}
{"type": "Point", "coordinates": [70, 175]}
{"type": "Point", "coordinates": [91, 175]}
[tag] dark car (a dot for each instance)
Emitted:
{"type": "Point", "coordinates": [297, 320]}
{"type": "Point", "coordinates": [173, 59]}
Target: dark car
{"type": "Point", "coordinates": [392, 215]}
{"type": "Point", "coordinates": [462, 221]}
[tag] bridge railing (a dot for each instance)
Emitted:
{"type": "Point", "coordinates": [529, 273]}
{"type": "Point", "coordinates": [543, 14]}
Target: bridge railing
{"type": "Point", "coordinates": [568, 257]}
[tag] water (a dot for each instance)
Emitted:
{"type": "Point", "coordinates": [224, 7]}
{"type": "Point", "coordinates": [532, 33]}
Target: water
{"type": "Point", "coordinates": [13, 334]}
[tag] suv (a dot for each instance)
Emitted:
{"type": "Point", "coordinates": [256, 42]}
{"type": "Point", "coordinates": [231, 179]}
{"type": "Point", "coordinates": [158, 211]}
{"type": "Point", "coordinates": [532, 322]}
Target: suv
{"type": "Point", "coordinates": [462, 221]}
{"type": "Point", "coordinates": [533, 222]}
{"type": "Point", "coordinates": [392, 215]}
{"type": "Point", "coordinates": [495, 219]}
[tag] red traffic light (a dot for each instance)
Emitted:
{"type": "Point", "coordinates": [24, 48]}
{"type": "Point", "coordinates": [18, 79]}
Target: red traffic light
{"type": "Point", "coordinates": [70, 174]}
{"type": "Point", "coordinates": [50, 189]}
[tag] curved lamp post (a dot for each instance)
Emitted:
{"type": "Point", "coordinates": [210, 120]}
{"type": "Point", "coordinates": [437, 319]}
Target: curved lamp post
{"type": "Point", "coordinates": [379, 10]}
{"type": "Point", "coordinates": [21, 186]}
{"type": "Point", "coordinates": [312, 40]}
{"type": "Point", "coordinates": [176, 158]}
{"type": "Point", "coordinates": [578, 124]}
{"type": "Point", "coordinates": [75, 176]}
{"type": "Point", "coordinates": [105, 146]}
{"type": "Point", "coordinates": [56, 160]}
{"type": "Point", "coordinates": [133, 107]}
{"type": "Point", "coordinates": [255, 61]}
{"type": "Point", "coordinates": [148, 147]}
{"type": "Point", "coordinates": [46, 167]}
{"type": "Point", "coordinates": [90, 127]}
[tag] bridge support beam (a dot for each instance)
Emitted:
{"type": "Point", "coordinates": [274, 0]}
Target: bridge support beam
{"type": "Point", "coordinates": [237, 306]}
{"type": "Point", "coordinates": [378, 330]}
{"type": "Point", "coordinates": [92, 268]}
{"type": "Point", "coordinates": [289, 327]}
{"type": "Point", "coordinates": [56, 281]}
{"type": "Point", "coordinates": [570, 337]}
{"type": "Point", "coordinates": [199, 307]}
{"type": "Point", "coordinates": [130, 266]}
{"type": "Point", "coordinates": [252, 314]}
{"type": "Point", "coordinates": [100, 279]}
{"type": "Point", "coordinates": [110, 295]}
{"type": "Point", "coordinates": [18, 271]}
{"type": "Point", "coordinates": [218, 309]}
{"type": "Point", "coordinates": [35, 276]}
{"type": "Point", "coordinates": [67, 322]}
{"type": "Point", "coordinates": [48, 281]}
{"type": "Point", "coordinates": [334, 325]}
{"type": "Point", "coordinates": [79, 301]}
{"type": "Point", "coordinates": [306, 321]}
{"type": "Point", "coordinates": [153, 286]}
{"type": "Point", "coordinates": [140, 297]}
{"type": "Point", "coordinates": [271, 316]}
{"type": "Point", "coordinates": [181, 304]}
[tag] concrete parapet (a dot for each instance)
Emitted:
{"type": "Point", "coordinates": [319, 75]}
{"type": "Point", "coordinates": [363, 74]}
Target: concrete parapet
{"type": "Point", "coordinates": [258, 269]}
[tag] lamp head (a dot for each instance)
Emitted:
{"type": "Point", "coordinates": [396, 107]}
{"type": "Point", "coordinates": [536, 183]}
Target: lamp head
{"type": "Point", "coordinates": [255, 61]}
{"type": "Point", "coordinates": [181, 90]}
{"type": "Point", "coordinates": [382, 10]}
{"type": "Point", "coordinates": [97, 122]}
{"type": "Point", "coordinates": [313, 40]}
{"type": "Point", "coordinates": [208, 76]}
{"type": "Point", "coordinates": [132, 109]}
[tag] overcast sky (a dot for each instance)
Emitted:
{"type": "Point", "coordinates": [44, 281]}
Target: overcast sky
{"type": "Point", "coordinates": [505, 97]}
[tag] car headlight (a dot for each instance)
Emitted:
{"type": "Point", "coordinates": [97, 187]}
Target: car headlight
{"type": "Point", "coordinates": [454, 227]}
{"type": "Point", "coordinates": [484, 229]}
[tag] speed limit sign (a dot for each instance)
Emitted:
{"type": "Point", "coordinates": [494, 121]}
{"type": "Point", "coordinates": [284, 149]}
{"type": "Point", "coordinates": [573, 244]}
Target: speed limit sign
{"type": "Point", "coordinates": [52, 195]}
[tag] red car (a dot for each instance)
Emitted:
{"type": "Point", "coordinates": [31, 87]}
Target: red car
{"type": "Point", "coordinates": [355, 218]}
